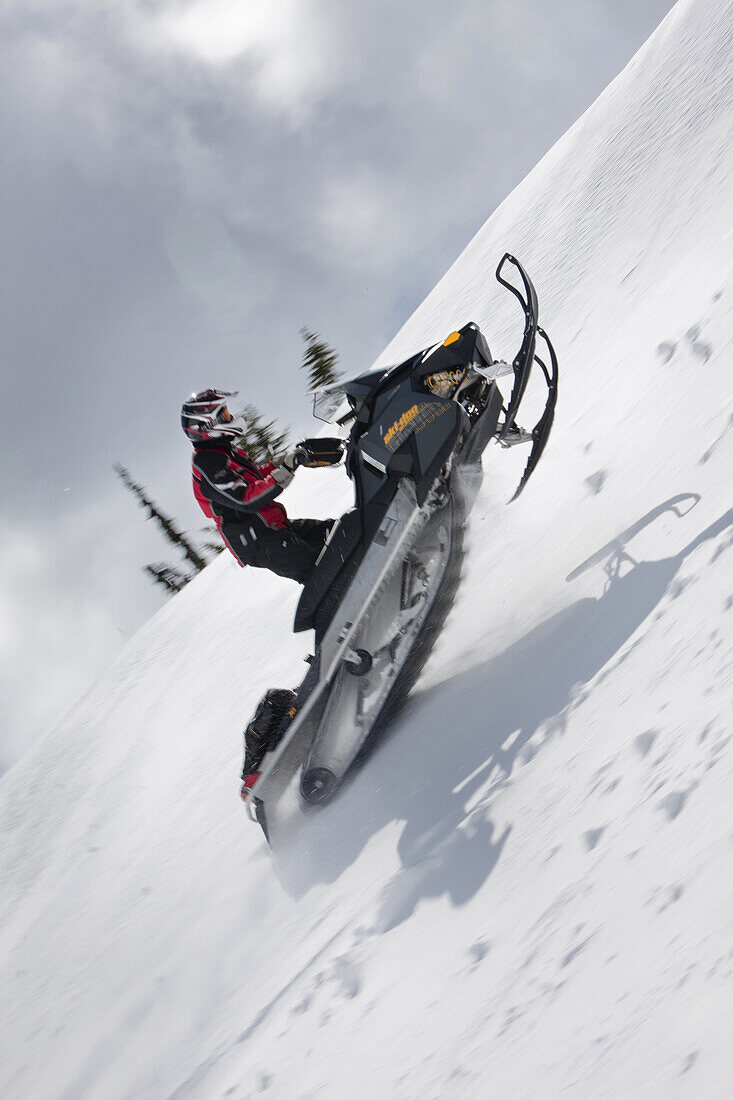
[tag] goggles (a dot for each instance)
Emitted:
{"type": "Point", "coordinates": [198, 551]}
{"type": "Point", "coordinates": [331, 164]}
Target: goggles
{"type": "Point", "coordinates": [213, 403]}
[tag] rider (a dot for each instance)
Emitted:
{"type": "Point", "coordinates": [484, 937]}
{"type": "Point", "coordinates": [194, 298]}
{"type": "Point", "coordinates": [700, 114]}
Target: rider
{"type": "Point", "coordinates": [240, 496]}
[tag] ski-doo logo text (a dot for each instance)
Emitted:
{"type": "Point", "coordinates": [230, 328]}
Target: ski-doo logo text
{"type": "Point", "coordinates": [401, 424]}
{"type": "Point", "coordinates": [413, 421]}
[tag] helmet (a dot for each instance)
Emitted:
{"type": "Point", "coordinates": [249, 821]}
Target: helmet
{"type": "Point", "coordinates": [205, 417]}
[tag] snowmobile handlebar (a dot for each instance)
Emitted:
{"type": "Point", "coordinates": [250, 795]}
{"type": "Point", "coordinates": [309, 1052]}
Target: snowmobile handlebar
{"type": "Point", "coordinates": [320, 451]}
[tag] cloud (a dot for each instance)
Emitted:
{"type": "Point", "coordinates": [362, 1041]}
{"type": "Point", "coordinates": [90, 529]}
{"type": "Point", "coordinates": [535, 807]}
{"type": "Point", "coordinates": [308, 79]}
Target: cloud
{"type": "Point", "coordinates": [361, 221]}
{"type": "Point", "coordinates": [212, 264]}
{"type": "Point", "coordinates": [55, 637]}
{"type": "Point", "coordinates": [288, 44]}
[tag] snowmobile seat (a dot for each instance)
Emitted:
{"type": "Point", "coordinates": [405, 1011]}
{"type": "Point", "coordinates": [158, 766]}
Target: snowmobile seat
{"type": "Point", "coordinates": [344, 541]}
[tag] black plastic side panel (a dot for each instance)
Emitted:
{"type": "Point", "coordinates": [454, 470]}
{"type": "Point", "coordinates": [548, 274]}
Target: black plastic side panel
{"type": "Point", "coordinates": [434, 447]}
{"type": "Point", "coordinates": [460, 352]}
{"type": "Point", "coordinates": [485, 427]}
{"type": "Point", "coordinates": [345, 540]}
{"type": "Point", "coordinates": [417, 427]}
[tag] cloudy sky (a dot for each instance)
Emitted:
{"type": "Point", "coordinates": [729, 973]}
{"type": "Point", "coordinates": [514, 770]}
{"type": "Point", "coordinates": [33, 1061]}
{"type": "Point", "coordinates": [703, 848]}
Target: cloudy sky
{"type": "Point", "coordinates": [185, 184]}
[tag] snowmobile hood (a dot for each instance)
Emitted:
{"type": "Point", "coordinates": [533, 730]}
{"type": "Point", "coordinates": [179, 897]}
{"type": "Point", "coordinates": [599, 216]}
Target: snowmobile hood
{"type": "Point", "coordinates": [462, 348]}
{"type": "Point", "coordinates": [359, 388]}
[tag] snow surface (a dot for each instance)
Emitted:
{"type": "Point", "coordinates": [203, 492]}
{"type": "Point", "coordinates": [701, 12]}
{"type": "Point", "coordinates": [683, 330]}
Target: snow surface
{"type": "Point", "coordinates": [527, 891]}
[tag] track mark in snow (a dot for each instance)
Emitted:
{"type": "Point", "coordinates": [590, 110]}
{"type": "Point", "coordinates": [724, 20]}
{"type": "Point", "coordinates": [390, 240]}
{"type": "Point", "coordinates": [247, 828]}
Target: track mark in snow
{"type": "Point", "coordinates": [199, 1075]}
{"type": "Point", "coordinates": [674, 803]}
{"type": "Point", "coordinates": [592, 836]}
{"type": "Point", "coordinates": [702, 350]}
{"type": "Point", "coordinates": [708, 454]}
{"type": "Point", "coordinates": [478, 952]}
{"type": "Point", "coordinates": [302, 1006]}
{"type": "Point", "coordinates": [601, 775]}
{"type": "Point", "coordinates": [565, 898]}
{"type": "Point", "coordinates": [724, 545]}
{"type": "Point", "coordinates": [689, 1062]}
{"type": "Point", "coordinates": [672, 894]}
{"type": "Point", "coordinates": [643, 743]}
{"type": "Point", "coordinates": [457, 1073]}
{"type": "Point", "coordinates": [511, 1017]}
{"type": "Point", "coordinates": [574, 952]}
{"type": "Point", "coordinates": [678, 587]}
{"type": "Point", "coordinates": [596, 481]}
{"type": "Point", "coordinates": [527, 753]}
{"type": "Point", "coordinates": [340, 981]}
{"type": "Point", "coordinates": [348, 976]}
{"type": "Point", "coordinates": [666, 350]}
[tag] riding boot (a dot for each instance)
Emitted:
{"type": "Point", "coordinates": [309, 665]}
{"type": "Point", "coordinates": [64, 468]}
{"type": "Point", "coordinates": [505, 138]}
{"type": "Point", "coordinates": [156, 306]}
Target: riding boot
{"type": "Point", "coordinates": [267, 726]}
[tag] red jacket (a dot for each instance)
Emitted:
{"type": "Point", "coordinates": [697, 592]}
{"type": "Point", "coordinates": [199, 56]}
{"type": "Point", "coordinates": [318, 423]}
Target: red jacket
{"type": "Point", "coordinates": [230, 487]}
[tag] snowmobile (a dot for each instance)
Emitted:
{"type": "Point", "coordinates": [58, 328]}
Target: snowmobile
{"type": "Point", "coordinates": [387, 576]}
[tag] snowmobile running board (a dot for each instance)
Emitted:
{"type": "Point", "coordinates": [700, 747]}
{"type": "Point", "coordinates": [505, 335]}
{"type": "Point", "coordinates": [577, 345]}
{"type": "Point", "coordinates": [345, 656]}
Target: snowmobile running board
{"type": "Point", "coordinates": [522, 367]}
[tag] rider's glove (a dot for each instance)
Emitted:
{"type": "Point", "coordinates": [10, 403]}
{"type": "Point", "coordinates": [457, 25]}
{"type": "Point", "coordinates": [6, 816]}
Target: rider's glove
{"type": "Point", "coordinates": [283, 472]}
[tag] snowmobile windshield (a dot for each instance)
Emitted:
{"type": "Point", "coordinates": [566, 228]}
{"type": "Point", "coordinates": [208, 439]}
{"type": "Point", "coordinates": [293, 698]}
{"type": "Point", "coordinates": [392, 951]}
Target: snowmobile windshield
{"type": "Point", "coordinates": [331, 403]}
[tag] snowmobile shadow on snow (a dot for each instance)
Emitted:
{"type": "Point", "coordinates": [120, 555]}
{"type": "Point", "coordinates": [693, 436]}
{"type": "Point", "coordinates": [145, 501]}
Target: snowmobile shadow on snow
{"type": "Point", "coordinates": [458, 742]}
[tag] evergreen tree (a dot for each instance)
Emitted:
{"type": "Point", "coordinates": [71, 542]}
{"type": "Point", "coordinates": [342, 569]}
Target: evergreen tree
{"type": "Point", "coordinates": [210, 532]}
{"type": "Point", "coordinates": [171, 532]}
{"type": "Point", "coordinates": [262, 441]}
{"type": "Point", "coordinates": [172, 579]}
{"type": "Point", "coordinates": [319, 360]}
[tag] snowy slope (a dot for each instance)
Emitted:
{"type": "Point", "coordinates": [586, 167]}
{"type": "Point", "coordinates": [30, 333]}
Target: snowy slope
{"type": "Point", "coordinates": [527, 891]}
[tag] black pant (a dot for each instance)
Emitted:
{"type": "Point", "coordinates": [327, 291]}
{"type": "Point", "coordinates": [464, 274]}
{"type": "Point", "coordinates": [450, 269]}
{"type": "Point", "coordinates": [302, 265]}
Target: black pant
{"type": "Point", "coordinates": [291, 552]}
